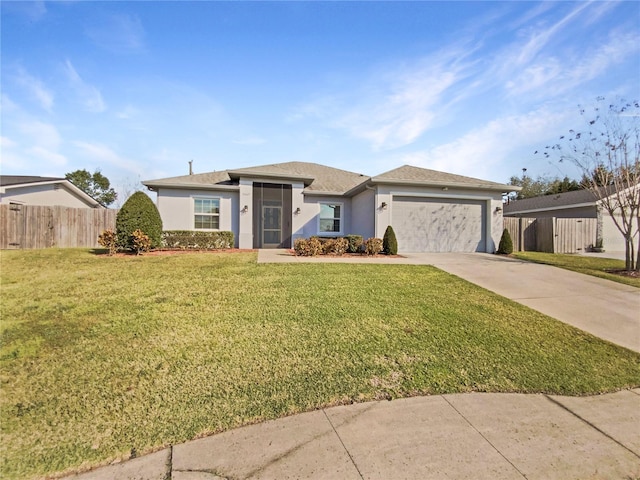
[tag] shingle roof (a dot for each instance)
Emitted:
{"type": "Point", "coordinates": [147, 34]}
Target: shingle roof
{"type": "Point", "coordinates": [320, 179]}
{"type": "Point", "coordinates": [9, 180]}
{"type": "Point", "coordinates": [559, 200]}
{"type": "Point", "coordinates": [317, 178]}
{"type": "Point", "coordinates": [424, 176]}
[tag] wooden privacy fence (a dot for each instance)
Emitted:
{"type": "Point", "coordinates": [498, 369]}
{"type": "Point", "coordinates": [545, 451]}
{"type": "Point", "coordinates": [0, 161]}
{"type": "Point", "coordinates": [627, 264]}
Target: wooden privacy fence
{"type": "Point", "coordinates": [551, 234]}
{"type": "Point", "coordinates": [34, 226]}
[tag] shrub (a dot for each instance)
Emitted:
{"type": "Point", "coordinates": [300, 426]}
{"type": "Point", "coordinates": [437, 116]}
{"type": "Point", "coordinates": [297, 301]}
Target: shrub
{"type": "Point", "coordinates": [328, 245]}
{"type": "Point", "coordinates": [140, 242]}
{"type": "Point", "coordinates": [138, 213]}
{"type": "Point", "coordinates": [355, 243]}
{"type": "Point", "coordinates": [389, 242]}
{"type": "Point", "coordinates": [193, 240]}
{"type": "Point", "coordinates": [307, 248]}
{"type": "Point", "coordinates": [506, 245]}
{"type": "Point", "coordinates": [340, 246]}
{"type": "Point", "coordinates": [108, 239]}
{"type": "Point", "coordinates": [373, 246]}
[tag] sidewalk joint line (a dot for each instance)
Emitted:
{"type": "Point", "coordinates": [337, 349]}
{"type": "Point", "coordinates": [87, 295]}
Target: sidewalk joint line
{"type": "Point", "coordinates": [485, 438]}
{"type": "Point", "coordinates": [343, 445]}
{"type": "Point", "coordinates": [552, 400]}
{"type": "Point", "coordinates": [169, 466]}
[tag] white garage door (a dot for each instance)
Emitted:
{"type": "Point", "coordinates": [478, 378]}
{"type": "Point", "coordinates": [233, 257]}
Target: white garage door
{"type": "Point", "coordinates": [439, 225]}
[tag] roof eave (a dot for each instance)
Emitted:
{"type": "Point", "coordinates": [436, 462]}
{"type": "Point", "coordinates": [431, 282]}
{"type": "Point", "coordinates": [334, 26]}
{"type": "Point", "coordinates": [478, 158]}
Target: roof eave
{"type": "Point", "coordinates": [468, 186]}
{"type": "Point", "coordinates": [235, 174]}
{"type": "Point", "coordinates": [190, 186]}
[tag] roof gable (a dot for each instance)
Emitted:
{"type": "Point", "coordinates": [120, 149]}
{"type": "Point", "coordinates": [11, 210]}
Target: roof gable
{"type": "Point", "coordinates": [408, 174]}
{"type": "Point", "coordinates": [11, 180]}
{"type": "Point", "coordinates": [316, 178]}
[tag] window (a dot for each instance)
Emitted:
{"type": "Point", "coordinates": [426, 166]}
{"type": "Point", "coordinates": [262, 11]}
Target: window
{"type": "Point", "coordinates": [330, 218]}
{"type": "Point", "coordinates": [207, 213]}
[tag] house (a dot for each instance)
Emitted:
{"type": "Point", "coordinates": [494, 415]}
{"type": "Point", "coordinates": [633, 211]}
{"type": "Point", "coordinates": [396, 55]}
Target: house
{"type": "Point", "coordinates": [270, 206]}
{"type": "Point", "coordinates": [48, 191]}
{"type": "Point", "coordinates": [576, 204]}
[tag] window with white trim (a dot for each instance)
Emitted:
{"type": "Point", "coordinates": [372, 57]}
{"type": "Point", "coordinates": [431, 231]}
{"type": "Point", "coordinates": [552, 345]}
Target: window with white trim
{"type": "Point", "coordinates": [206, 213]}
{"type": "Point", "coordinates": [330, 218]}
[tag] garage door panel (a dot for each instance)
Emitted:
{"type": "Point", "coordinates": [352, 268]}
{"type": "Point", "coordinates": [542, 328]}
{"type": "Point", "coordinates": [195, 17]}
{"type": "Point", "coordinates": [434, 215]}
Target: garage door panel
{"type": "Point", "coordinates": [439, 225]}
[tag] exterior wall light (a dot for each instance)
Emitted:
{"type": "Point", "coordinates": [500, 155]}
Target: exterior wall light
{"type": "Point", "coordinates": [383, 205]}
{"type": "Point", "coordinates": [297, 212]}
{"type": "Point", "coordinates": [245, 209]}
{"type": "Point", "coordinates": [498, 209]}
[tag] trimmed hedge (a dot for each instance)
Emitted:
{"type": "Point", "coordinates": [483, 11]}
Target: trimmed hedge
{"type": "Point", "coordinates": [506, 244]}
{"type": "Point", "coordinates": [389, 242]}
{"type": "Point", "coordinates": [138, 213]}
{"type": "Point", "coordinates": [355, 243]}
{"type": "Point", "coordinates": [193, 240]}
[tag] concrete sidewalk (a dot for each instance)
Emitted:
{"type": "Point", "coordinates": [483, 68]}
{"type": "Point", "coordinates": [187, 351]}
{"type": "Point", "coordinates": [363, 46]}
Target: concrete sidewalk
{"type": "Point", "coordinates": [463, 436]}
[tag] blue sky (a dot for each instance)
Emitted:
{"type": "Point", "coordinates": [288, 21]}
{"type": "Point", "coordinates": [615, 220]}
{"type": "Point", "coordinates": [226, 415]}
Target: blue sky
{"type": "Point", "coordinates": [137, 89]}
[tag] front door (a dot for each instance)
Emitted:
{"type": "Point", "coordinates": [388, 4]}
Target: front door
{"type": "Point", "coordinates": [271, 226]}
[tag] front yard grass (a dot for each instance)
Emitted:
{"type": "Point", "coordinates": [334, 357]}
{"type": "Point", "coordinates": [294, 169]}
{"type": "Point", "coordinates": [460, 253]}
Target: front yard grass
{"type": "Point", "coordinates": [103, 356]}
{"type": "Point", "coordinates": [595, 266]}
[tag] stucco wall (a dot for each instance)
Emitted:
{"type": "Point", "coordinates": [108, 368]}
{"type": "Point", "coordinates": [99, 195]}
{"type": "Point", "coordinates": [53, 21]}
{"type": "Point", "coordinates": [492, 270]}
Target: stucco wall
{"type": "Point", "coordinates": [363, 214]}
{"type": "Point", "coordinates": [43, 195]}
{"type": "Point", "coordinates": [612, 239]}
{"type": "Point", "coordinates": [176, 209]}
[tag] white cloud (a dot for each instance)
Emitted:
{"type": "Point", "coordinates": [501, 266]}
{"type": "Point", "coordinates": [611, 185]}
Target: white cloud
{"type": "Point", "coordinates": [6, 142]}
{"type": "Point", "coordinates": [480, 151]}
{"type": "Point", "coordinates": [118, 33]}
{"type": "Point", "coordinates": [89, 95]}
{"type": "Point", "coordinates": [47, 156]}
{"type": "Point", "coordinates": [101, 154]}
{"type": "Point", "coordinates": [35, 88]}
{"type": "Point", "coordinates": [394, 108]}
{"type": "Point", "coordinates": [41, 134]}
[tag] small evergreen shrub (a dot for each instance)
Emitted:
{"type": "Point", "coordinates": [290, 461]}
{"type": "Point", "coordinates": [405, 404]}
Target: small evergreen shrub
{"type": "Point", "coordinates": [355, 243]}
{"type": "Point", "coordinates": [389, 242]}
{"type": "Point", "coordinates": [194, 240]}
{"type": "Point", "coordinates": [506, 245]}
{"type": "Point", "coordinates": [138, 213]}
{"type": "Point", "coordinates": [373, 246]}
{"type": "Point", "coordinates": [108, 239]}
{"type": "Point", "coordinates": [140, 242]}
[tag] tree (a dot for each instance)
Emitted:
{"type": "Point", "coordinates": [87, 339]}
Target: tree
{"type": "Point", "coordinates": [543, 186]}
{"type": "Point", "coordinates": [138, 213]}
{"type": "Point", "coordinates": [96, 185]}
{"type": "Point", "coordinates": [607, 151]}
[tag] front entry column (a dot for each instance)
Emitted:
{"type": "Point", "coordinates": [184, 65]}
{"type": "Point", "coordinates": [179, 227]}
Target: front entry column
{"type": "Point", "coordinates": [245, 235]}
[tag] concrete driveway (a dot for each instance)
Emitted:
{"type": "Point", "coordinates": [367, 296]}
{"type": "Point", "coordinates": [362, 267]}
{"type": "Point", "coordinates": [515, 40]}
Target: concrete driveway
{"type": "Point", "coordinates": [601, 307]}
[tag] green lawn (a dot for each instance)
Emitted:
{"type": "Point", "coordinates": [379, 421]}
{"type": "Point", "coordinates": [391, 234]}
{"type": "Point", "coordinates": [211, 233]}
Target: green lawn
{"type": "Point", "coordinates": [102, 355]}
{"type": "Point", "coordinates": [595, 266]}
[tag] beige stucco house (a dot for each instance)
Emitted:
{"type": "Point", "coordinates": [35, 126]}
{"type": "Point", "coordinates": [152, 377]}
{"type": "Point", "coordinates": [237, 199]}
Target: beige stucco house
{"type": "Point", "coordinates": [269, 206]}
{"type": "Point", "coordinates": [48, 191]}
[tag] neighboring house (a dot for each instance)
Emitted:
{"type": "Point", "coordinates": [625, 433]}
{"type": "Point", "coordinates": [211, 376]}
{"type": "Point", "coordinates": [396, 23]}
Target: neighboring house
{"type": "Point", "coordinates": [49, 191]}
{"type": "Point", "coordinates": [576, 204]}
{"type": "Point", "coordinates": [270, 206]}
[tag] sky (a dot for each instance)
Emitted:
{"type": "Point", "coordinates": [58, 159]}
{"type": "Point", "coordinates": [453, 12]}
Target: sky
{"type": "Point", "coordinates": [138, 89]}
